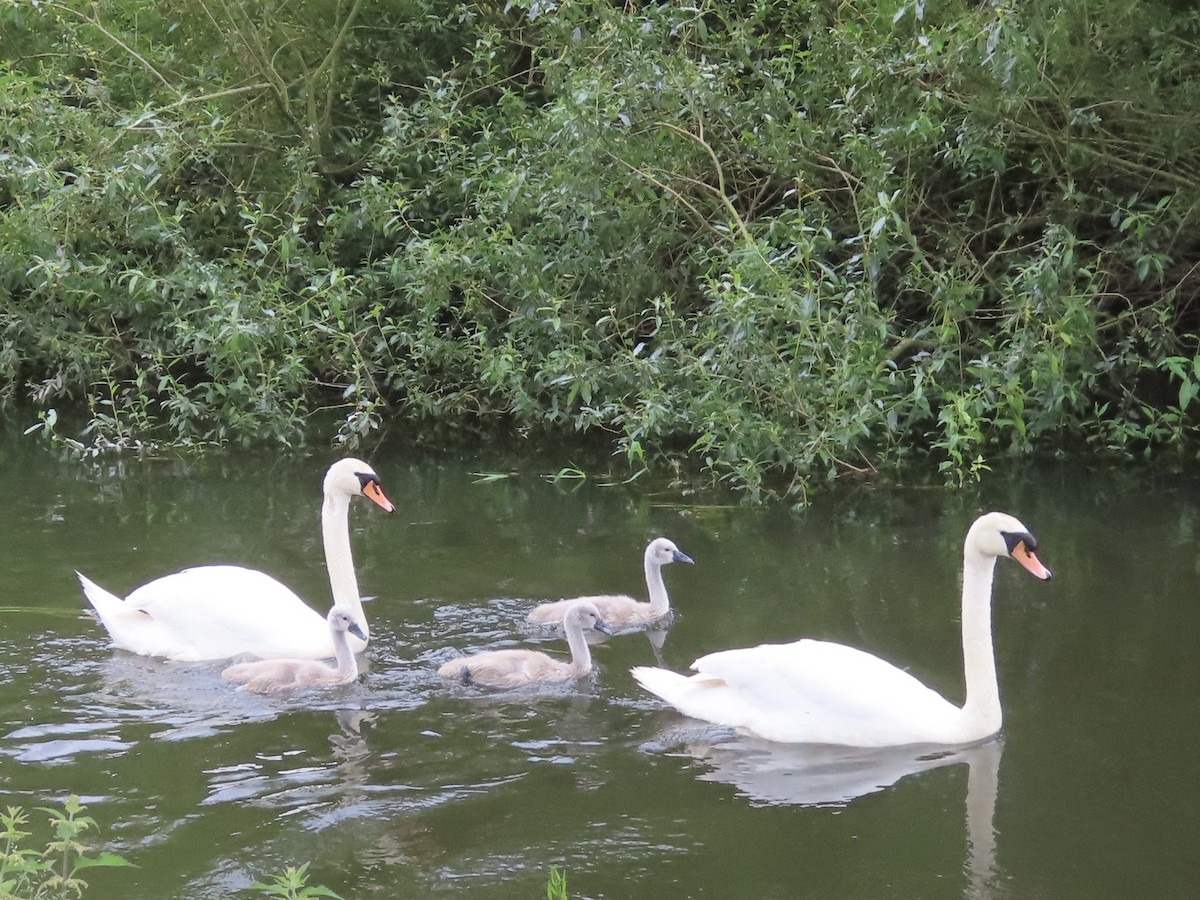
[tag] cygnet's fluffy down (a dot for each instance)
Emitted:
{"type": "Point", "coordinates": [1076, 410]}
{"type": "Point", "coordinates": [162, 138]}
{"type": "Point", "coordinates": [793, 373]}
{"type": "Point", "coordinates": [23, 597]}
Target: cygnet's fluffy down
{"type": "Point", "coordinates": [268, 676]}
{"type": "Point", "coordinates": [619, 611]}
{"type": "Point", "coordinates": [507, 669]}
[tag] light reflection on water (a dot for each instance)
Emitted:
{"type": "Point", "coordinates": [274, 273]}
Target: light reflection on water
{"type": "Point", "coordinates": [400, 785]}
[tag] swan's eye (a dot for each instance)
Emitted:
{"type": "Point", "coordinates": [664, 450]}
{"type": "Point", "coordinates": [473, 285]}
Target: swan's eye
{"type": "Point", "coordinates": [1012, 539]}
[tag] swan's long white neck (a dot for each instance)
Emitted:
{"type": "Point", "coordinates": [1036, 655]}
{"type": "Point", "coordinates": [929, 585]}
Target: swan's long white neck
{"type": "Point", "coordinates": [347, 665]}
{"type": "Point", "coordinates": [981, 711]}
{"type": "Point", "coordinates": [581, 654]}
{"type": "Point", "coordinates": [335, 530]}
{"type": "Point", "coordinates": [659, 604]}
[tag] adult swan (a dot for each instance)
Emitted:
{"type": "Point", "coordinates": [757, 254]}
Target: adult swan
{"type": "Point", "coordinates": [823, 693]}
{"type": "Point", "coordinates": [214, 612]}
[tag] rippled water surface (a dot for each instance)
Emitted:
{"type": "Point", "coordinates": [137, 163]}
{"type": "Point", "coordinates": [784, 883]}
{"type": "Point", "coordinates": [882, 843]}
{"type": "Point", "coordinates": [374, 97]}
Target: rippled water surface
{"type": "Point", "coordinates": [398, 786]}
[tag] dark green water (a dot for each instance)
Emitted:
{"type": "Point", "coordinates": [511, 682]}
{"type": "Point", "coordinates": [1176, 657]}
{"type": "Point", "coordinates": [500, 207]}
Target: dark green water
{"type": "Point", "coordinates": [399, 787]}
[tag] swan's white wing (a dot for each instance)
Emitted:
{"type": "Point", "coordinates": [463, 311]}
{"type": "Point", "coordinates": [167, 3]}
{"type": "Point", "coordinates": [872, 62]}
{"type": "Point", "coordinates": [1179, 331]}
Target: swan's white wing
{"type": "Point", "coordinates": [808, 691]}
{"type": "Point", "coordinates": [816, 675]}
{"type": "Point", "coordinates": [214, 612]}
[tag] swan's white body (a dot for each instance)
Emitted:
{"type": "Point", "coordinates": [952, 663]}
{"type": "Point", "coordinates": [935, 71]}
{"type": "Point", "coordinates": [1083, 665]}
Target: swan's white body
{"type": "Point", "coordinates": [215, 612]}
{"type": "Point", "coordinates": [269, 676]}
{"type": "Point", "coordinates": [824, 693]}
{"type": "Point", "coordinates": [622, 612]}
{"type": "Point", "coordinates": [508, 669]}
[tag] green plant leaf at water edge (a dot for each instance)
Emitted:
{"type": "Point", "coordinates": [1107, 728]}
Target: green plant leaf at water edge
{"type": "Point", "coordinates": [556, 887]}
{"type": "Point", "coordinates": [103, 859]}
{"type": "Point", "coordinates": [292, 884]}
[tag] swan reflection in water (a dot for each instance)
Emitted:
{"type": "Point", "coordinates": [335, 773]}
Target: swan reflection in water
{"type": "Point", "coordinates": [774, 774]}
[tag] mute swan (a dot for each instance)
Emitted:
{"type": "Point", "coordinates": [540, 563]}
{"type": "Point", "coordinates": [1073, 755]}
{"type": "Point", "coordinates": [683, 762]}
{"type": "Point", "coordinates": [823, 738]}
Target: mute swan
{"type": "Point", "coordinates": [215, 612]}
{"type": "Point", "coordinates": [824, 693]}
{"type": "Point", "coordinates": [519, 668]}
{"type": "Point", "coordinates": [268, 676]}
{"type": "Point", "coordinates": [620, 612]}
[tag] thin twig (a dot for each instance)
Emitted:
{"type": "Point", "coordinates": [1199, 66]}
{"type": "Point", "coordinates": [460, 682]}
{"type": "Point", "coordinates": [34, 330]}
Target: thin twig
{"type": "Point", "coordinates": [670, 190]}
{"type": "Point", "coordinates": [200, 98]}
{"type": "Point", "coordinates": [720, 173]}
{"type": "Point", "coordinates": [94, 20]}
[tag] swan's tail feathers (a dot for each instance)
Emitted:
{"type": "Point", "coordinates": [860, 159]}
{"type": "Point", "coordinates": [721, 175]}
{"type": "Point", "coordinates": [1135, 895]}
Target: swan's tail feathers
{"type": "Point", "coordinates": [129, 628]}
{"type": "Point", "coordinates": [106, 605]}
{"type": "Point", "coordinates": [661, 682]}
{"type": "Point", "coordinates": [700, 696]}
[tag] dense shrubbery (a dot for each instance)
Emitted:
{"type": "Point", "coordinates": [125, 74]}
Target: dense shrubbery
{"type": "Point", "coordinates": [782, 239]}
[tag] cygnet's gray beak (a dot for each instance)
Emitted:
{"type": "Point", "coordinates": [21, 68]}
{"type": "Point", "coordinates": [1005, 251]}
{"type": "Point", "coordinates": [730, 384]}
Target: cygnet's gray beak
{"type": "Point", "coordinates": [680, 556]}
{"type": "Point", "coordinates": [602, 627]}
{"type": "Point", "coordinates": [357, 631]}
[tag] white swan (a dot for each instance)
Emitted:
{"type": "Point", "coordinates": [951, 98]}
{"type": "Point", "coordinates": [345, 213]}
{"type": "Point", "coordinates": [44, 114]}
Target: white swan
{"type": "Point", "coordinates": [215, 612]}
{"type": "Point", "coordinates": [269, 676]}
{"type": "Point", "coordinates": [508, 669]}
{"type": "Point", "coordinates": [621, 612]}
{"type": "Point", "coordinates": [824, 693]}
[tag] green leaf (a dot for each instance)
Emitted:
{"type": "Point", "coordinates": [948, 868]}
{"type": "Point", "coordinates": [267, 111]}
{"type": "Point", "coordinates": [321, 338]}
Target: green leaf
{"type": "Point", "coordinates": [104, 859]}
{"type": "Point", "coordinates": [1187, 393]}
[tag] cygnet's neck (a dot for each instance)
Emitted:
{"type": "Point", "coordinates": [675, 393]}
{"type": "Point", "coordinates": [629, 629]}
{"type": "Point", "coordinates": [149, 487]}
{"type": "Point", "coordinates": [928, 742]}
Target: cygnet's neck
{"type": "Point", "coordinates": [659, 604]}
{"type": "Point", "coordinates": [335, 530]}
{"type": "Point", "coordinates": [347, 665]}
{"type": "Point", "coordinates": [981, 711]}
{"type": "Point", "coordinates": [581, 654]}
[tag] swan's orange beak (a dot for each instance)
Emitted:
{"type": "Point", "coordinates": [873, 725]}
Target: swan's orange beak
{"type": "Point", "coordinates": [373, 492]}
{"type": "Point", "coordinates": [1029, 560]}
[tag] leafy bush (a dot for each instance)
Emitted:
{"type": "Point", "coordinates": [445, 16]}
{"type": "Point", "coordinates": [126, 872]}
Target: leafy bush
{"type": "Point", "coordinates": [777, 243]}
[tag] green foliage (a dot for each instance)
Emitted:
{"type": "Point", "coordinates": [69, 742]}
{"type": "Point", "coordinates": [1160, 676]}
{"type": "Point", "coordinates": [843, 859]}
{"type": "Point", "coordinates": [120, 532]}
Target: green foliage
{"type": "Point", "coordinates": [27, 873]}
{"type": "Point", "coordinates": [773, 243]}
{"type": "Point", "coordinates": [556, 887]}
{"type": "Point", "coordinates": [292, 885]}
{"type": "Point", "coordinates": [30, 874]}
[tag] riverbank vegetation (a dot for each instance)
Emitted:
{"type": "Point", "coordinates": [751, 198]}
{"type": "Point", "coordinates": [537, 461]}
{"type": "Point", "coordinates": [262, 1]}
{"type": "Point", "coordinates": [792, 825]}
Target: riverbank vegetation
{"type": "Point", "coordinates": [770, 243]}
{"type": "Point", "coordinates": [28, 873]}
